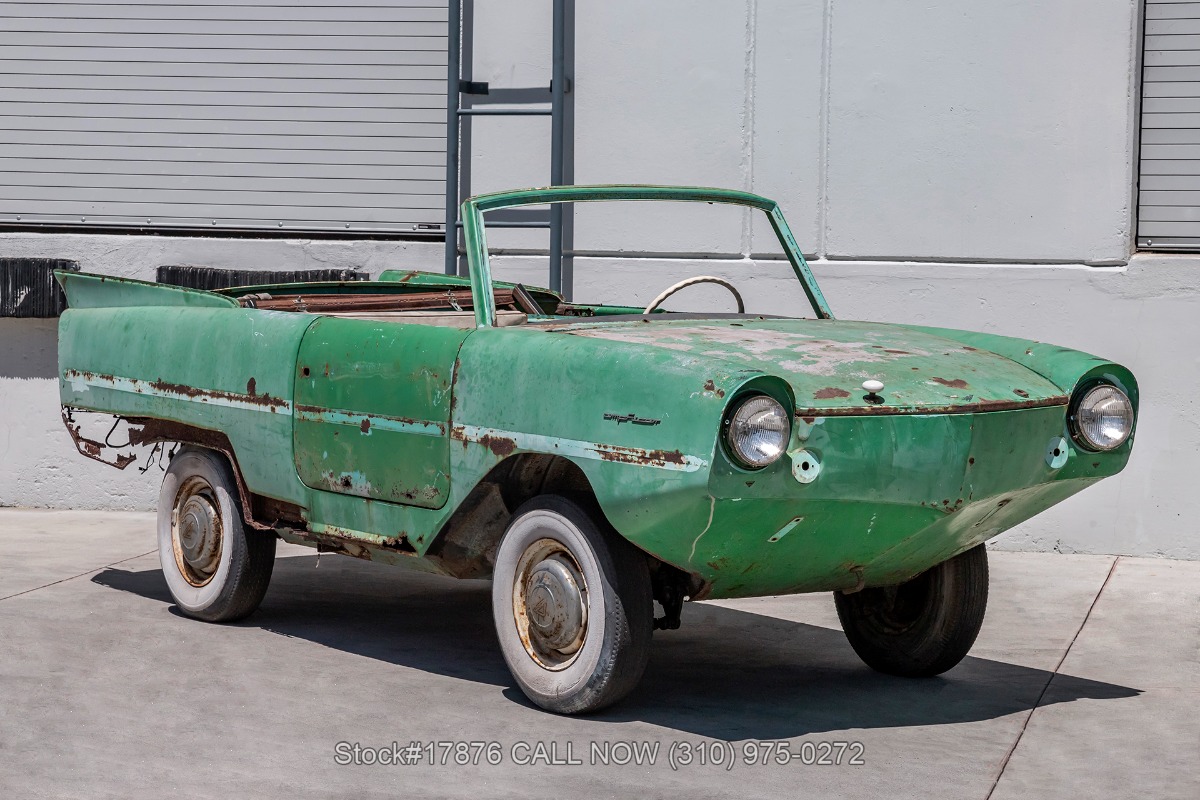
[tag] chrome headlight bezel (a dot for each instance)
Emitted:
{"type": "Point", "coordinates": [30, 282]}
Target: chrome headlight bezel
{"type": "Point", "coordinates": [1082, 401]}
{"type": "Point", "coordinates": [775, 438]}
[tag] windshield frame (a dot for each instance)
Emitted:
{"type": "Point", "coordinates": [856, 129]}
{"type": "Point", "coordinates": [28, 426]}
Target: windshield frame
{"type": "Point", "coordinates": [479, 262]}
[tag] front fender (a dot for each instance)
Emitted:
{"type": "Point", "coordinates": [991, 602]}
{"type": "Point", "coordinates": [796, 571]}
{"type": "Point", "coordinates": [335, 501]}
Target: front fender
{"type": "Point", "coordinates": [1062, 366]}
{"type": "Point", "coordinates": [641, 422]}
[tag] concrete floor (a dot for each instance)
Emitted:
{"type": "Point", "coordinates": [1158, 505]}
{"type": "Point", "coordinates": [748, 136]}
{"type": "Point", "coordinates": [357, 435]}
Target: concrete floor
{"type": "Point", "coordinates": [106, 691]}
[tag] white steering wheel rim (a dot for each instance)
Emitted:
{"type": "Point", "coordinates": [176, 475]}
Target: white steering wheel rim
{"type": "Point", "coordinates": [672, 289]}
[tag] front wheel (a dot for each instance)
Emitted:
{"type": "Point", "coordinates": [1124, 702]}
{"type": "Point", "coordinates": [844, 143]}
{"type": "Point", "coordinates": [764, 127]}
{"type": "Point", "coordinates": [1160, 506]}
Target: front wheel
{"type": "Point", "coordinates": [216, 569]}
{"type": "Point", "coordinates": [572, 605]}
{"type": "Point", "coordinates": [921, 627]}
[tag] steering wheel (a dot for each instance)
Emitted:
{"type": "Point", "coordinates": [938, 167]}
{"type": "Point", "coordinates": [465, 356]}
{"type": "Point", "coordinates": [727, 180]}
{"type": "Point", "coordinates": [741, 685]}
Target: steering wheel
{"type": "Point", "coordinates": [670, 290]}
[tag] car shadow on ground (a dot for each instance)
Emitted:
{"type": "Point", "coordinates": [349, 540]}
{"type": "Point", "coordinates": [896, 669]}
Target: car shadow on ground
{"type": "Point", "coordinates": [727, 674]}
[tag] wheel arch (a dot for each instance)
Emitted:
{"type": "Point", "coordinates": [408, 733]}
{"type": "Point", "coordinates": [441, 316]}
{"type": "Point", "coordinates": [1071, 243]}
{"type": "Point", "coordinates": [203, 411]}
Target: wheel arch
{"type": "Point", "coordinates": [465, 547]}
{"type": "Point", "coordinates": [254, 507]}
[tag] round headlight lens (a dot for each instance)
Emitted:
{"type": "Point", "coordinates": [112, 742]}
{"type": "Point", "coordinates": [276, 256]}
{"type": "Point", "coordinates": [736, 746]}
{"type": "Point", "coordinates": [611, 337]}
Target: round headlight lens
{"type": "Point", "coordinates": [1103, 418]}
{"type": "Point", "coordinates": [758, 431]}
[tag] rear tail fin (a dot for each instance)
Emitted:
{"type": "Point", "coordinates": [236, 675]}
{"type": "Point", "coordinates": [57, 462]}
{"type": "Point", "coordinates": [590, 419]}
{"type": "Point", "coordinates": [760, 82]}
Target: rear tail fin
{"type": "Point", "coordinates": [86, 290]}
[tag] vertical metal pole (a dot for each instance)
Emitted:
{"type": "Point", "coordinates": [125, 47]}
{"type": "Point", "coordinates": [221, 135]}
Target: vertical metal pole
{"type": "Point", "coordinates": [453, 58]}
{"type": "Point", "coordinates": [558, 88]}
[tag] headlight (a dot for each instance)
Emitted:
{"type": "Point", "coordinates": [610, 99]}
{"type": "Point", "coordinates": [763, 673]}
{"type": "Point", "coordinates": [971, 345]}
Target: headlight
{"type": "Point", "coordinates": [1103, 418]}
{"type": "Point", "coordinates": [757, 431]}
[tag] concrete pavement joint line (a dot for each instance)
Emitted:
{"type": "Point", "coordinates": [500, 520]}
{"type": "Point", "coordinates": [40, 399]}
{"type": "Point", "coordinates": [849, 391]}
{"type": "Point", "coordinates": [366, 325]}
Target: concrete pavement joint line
{"type": "Point", "coordinates": [80, 575]}
{"type": "Point", "coordinates": [1008, 756]}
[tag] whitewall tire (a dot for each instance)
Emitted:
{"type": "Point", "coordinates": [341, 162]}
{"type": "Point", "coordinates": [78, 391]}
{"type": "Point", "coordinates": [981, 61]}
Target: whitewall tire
{"type": "Point", "coordinates": [217, 569]}
{"type": "Point", "coordinates": [572, 605]}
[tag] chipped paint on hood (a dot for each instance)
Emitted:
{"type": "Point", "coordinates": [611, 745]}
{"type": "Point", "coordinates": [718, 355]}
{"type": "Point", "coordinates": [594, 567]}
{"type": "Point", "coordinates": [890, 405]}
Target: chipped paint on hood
{"type": "Point", "coordinates": [826, 361]}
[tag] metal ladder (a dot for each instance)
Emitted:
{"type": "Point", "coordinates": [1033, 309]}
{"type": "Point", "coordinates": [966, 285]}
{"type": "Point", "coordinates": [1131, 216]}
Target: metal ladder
{"type": "Point", "coordinates": [456, 87]}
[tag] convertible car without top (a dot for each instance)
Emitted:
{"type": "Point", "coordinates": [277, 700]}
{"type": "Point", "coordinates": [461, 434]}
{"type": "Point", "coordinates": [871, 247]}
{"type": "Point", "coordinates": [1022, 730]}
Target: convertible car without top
{"type": "Point", "coordinates": [591, 459]}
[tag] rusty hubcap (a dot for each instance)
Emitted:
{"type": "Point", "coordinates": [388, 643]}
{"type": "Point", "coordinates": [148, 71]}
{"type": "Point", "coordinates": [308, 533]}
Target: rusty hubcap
{"type": "Point", "coordinates": [196, 532]}
{"type": "Point", "coordinates": [550, 604]}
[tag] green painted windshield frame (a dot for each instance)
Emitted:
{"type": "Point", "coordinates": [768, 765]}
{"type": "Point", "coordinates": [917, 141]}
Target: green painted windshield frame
{"type": "Point", "coordinates": [474, 208]}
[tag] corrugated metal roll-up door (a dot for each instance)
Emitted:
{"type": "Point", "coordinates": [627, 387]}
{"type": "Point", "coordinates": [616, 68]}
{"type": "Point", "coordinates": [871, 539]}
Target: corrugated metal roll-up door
{"type": "Point", "coordinates": [270, 114]}
{"type": "Point", "coordinates": [1169, 180]}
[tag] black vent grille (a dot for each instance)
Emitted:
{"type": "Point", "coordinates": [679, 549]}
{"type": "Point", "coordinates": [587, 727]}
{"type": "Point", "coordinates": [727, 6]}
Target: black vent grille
{"type": "Point", "coordinates": [28, 288]}
{"type": "Point", "coordinates": [214, 278]}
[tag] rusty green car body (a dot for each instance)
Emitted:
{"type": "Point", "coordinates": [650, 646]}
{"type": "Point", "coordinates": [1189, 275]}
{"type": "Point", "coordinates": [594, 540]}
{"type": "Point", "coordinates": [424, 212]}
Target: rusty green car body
{"type": "Point", "coordinates": [395, 440]}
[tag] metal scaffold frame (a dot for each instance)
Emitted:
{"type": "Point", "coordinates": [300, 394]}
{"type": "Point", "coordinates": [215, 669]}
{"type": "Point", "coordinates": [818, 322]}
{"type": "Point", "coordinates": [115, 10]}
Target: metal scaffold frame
{"type": "Point", "coordinates": [502, 103]}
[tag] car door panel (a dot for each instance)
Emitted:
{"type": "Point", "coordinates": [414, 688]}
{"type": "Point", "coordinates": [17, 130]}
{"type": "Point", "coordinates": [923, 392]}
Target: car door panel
{"type": "Point", "coordinates": [373, 409]}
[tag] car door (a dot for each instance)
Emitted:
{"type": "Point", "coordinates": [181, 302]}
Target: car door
{"type": "Point", "coordinates": [372, 409]}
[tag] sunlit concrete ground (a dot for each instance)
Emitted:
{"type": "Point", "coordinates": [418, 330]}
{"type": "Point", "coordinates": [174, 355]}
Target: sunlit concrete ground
{"type": "Point", "coordinates": [1085, 682]}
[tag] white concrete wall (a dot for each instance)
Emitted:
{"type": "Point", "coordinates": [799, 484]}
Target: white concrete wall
{"type": "Point", "coordinates": [963, 164]}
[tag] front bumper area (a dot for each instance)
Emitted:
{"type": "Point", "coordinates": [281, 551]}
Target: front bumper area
{"type": "Point", "coordinates": [894, 496]}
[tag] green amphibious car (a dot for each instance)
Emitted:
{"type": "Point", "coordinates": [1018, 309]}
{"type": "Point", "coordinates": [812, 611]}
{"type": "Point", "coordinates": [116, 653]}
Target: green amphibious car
{"type": "Point", "coordinates": [591, 459]}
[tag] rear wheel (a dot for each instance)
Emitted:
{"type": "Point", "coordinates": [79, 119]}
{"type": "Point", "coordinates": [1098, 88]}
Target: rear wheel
{"type": "Point", "coordinates": [572, 605]}
{"type": "Point", "coordinates": [216, 568]}
{"type": "Point", "coordinates": [921, 627]}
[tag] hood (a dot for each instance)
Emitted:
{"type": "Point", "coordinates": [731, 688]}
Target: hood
{"type": "Point", "coordinates": [826, 362]}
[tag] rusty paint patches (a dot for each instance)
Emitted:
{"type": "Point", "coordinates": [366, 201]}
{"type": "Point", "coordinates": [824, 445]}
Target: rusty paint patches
{"type": "Point", "coordinates": [91, 448]}
{"type": "Point", "coordinates": [365, 422]}
{"type": "Point", "coordinates": [976, 407]}
{"type": "Point", "coordinates": [956, 383]}
{"type": "Point", "coordinates": [499, 445]}
{"type": "Point", "coordinates": [454, 373]}
{"type": "Point", "coordinates": [553, 445]}
{"type": "Point", "coordinates": [633, 455]}
{"type": "Point", "coordinates": [830, 393]}
{"type": "Point", "coordinates": [171, 390]}
{"type": "Point", "coordinates": [250, 384]}
{"type": "Point", "coordinates": [333, 539]}
{"type": "Point", "coordinates": [274, 512]}
{"type": "Point", "coordinates": [1020, 393]}
{"type": "Point", "coordinates": [197, 393]}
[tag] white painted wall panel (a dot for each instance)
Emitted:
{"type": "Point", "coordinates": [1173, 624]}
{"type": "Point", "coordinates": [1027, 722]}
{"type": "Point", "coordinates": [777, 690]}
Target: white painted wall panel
{"type": "Point", "coordinates": [661, 98]}
{"type": "Point", "coordinates": [787, 143]}
{"type": "Point", "coordinates": [980, 130]}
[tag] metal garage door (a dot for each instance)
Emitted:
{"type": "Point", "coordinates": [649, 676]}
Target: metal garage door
{"type": "Point", "coordinates": [1169, 184]}
{"type": "Point", "coordinates": [268, 114]}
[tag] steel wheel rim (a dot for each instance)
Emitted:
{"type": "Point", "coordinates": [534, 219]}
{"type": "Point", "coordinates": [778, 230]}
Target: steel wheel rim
{"type": "Point", "coordinates": [550, 604]}
{"type": "Point", "coordinates": [196, 531]}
